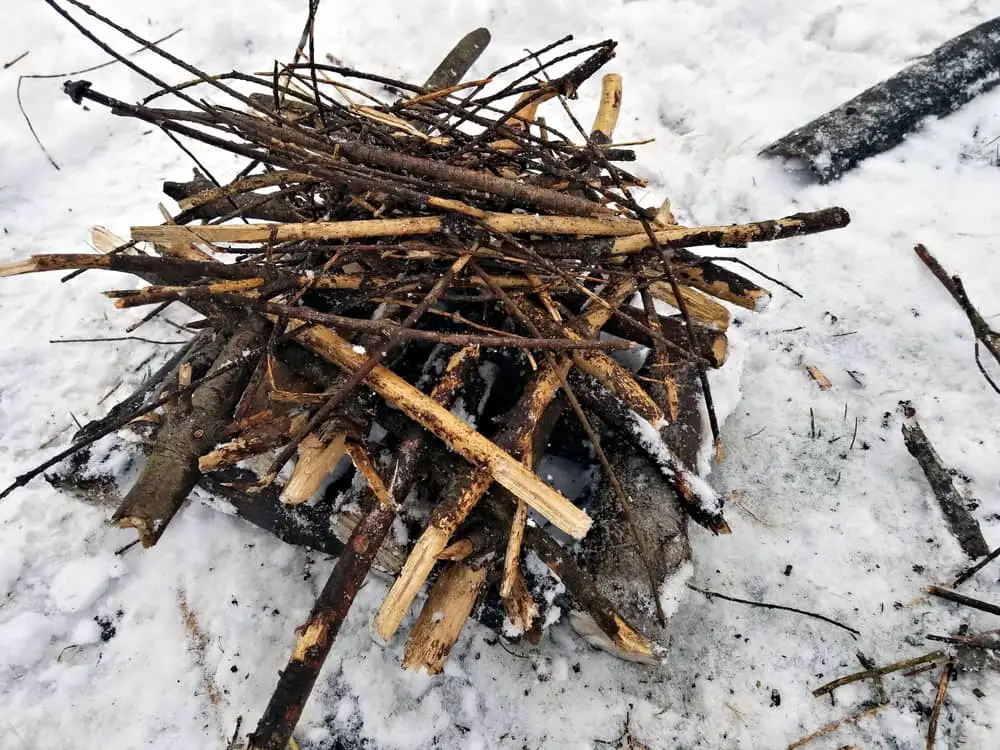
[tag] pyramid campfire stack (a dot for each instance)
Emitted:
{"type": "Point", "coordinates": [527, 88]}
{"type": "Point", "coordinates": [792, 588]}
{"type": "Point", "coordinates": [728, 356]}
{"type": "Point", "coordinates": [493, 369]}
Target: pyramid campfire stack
{"type": "Point", "coordinates": [418, 284]}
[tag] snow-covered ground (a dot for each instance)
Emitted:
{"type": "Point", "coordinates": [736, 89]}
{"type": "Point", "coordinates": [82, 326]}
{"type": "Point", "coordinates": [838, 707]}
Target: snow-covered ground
{"type": "Point", "coordinates": [195, 629]}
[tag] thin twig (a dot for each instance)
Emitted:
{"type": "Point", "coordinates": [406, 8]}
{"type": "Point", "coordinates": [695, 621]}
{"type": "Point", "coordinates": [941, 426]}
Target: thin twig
{"type": "Point", "coordinates": [765, 605]}
{"type": "Point", "coordinates": [835, 725]}
{"type": "Point", "coordinates": [983, 333]}
{"type": "Point", "coordinates": [115, 338]}
{"type": "Point", "coordinates": [42, 76]}
{"type": "Point", "coordinates": [869, 674]}
{"type": "Point", "coordinates": [966, 574]}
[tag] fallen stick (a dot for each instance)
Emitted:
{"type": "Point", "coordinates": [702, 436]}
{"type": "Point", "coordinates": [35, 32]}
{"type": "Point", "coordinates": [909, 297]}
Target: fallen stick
{"type": "Point", "coordinates": [869, 674]}
{"type": "Point", "coordinates": [942, 690]}
{"type": "Point", "coordinates": [317, 635]}
{"type": "Point", "coordinates": [835, 725]}
{"type": "Point", "coordinates": [766, 605]}
{"type": "Point", "coordinates": [737, 235]}
{"type": "Point", "coordinates": [961, 522]}
{"type": "Point", "coordinates": [967, 601]}
{"type": "Point", "coordinates": [880, 117]}
{"type": "Point", "coordinates": [966, 574]}
{"type": "Point", "coordinates": [984, 334]}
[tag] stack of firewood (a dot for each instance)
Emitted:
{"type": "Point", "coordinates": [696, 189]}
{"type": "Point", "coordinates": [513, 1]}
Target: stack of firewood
{"type": "Point", "coordinates": [410, 298]}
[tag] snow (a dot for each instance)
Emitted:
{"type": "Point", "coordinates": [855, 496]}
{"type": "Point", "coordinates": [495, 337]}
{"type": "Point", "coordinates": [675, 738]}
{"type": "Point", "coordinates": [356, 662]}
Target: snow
{"type": "Point", "coordinates": [713, 82]}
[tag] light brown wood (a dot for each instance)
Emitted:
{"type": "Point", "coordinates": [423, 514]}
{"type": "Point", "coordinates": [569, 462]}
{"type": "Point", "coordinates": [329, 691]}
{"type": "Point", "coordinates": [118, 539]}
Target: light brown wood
{"type": "Point", "coordinates": [821, 380]}
{"type": "Point", "coordinates": [621, 382]}
{"type": "Point", "coordinates": [317, 460]}
{"type": "Point", "coordinates": [367, 228]}
{"type": "Point", "coordinates": [459, 436]}
{"type": "Point", "coordinates": [609, 107]}
{"type": "Point", "coordinates": [703, 309]}
{"type": "Point", "coordinates": [448, 606]}
{"type": "Point", "coordinates": [512, 558]}
{"type": "Point", "coordinates": [537, 395]}
{"type": "Point", "coordinates": [366, 467]}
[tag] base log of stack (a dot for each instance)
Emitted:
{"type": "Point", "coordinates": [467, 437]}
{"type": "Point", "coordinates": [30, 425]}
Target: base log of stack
{"type": "Point", "coordinates": [441, 279]}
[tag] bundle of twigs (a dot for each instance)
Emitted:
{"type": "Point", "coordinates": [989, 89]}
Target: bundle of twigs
{"type": "Point", "coordinates": [439, 275]}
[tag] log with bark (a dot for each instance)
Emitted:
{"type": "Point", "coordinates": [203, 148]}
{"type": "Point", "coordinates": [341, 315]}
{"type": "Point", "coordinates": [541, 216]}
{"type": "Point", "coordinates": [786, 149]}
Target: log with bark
{"type": "Point", "coordinates": [882, 116]}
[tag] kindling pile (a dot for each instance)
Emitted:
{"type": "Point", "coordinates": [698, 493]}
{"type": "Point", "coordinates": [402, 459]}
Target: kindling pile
{"type": "Point", "coordinates": [411, 299]}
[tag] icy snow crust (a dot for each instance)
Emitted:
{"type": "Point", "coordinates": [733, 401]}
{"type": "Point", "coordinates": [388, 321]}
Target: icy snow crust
{"type": "Point", "coordinates": [713, 83]}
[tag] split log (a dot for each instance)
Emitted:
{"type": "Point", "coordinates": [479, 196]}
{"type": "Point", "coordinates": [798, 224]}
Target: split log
{"type": "Point", "coordinates": [960, 521]}
{"type": "Point", "coordinates": [880, 117]}
{"type": "Point", "coordinates": [171, 471]}
{"type": "Point", "coordinates": [703, 309]}
{"type": "Point", "coordinates": [719, 282]}
{"type": "Point", "coordinates": [610, 553]}
{"type": "Point", "coordinates": [626, 640]}
{"type": "Point", "coordinates": [317, 460]}
{"type": "Point", "coordinates": [684, 434]}
{"type": "Point", "coordinates": [448, 606]}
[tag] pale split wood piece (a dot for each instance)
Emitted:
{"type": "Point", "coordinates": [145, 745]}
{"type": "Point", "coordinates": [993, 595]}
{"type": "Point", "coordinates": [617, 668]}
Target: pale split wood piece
{"type": "Point", "coordinates": [317, 460]}
{"type": "Point", "coordinates": [448, 606]}
{"type": "Point", "coordinates": [703, 309]}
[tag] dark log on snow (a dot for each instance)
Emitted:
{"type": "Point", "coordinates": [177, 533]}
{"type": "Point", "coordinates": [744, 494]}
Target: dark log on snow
{"type": "Point", "coordinates": [881, 117]}
{"type": "Point", "coordinates": [961, 522]}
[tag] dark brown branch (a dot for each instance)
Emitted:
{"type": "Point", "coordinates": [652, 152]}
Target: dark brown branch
{"type": "Point", "coordinates": [964, 600]}
{"type": "Point", "coordinates": [985, 335]}
{"type": "Point", "coordinates": [961, 522]}
{"type": "Point", "coordinates": [712, 594]}
{"type": "Point", "coordinates": [972, 570]}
